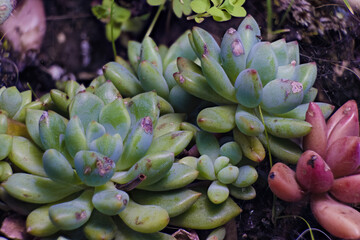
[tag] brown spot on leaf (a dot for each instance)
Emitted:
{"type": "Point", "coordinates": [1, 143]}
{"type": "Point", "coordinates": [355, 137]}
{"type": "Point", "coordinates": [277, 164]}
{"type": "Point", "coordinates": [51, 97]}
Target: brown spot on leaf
{"type": "Point", "coordinates": [237, 48]}
{"type": "Point", "coordinates": [311, 161]}
{"type": "Point", "coordinates": [346, 110]}
{"type": "Point", "coordinates": [311, 113]}
{"type": "Point", "coordinates": [161, 126]}
{"type": "Point", "coordinates": [137, 222]}
{"type": "Point", "coordinates": [296, 87]}
{"type": "Point", "coordinates": [44, 117]}
{"type": "Point", "coordinates": [118, 197]}
{"type": "Point", "coordinates": [148, 164]}
{"type": "Point", "coordinates": [87, 170]}
{"type": "Point", "coordinates": [201, 120]}
{"type": "Point", "coordinates": [231, 30]}
{"type": "Point", "coordinates": [146, 124]}
{"type": "Point", "coordinates": [249, 27]}
{"type": "Point", "coordinates": [80, 215]}
{"type": "Point", "coordinates": [181, 234]}
{"type": "Point", "coordinates": [206, 50]}
{"type": "Point", "coordinates": [104, 165]}
{"type": "Point", "coordinates": [174, 135]}
{"type": "Point", "coordinates": [181, 79]}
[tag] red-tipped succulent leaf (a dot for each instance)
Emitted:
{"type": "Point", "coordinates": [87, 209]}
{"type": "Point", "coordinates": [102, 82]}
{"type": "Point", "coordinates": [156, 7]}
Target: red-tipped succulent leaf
{"type": "Point", "coordinates": [316, 140]}
{"type": "Point", "coordinates": [313, 174]}
{"type": "Point", "coordinates": [337, 218]}
{"type": "Point", "coordinates": [346, 109]}
{"type": "Point", "coordinates": [344, 122]}
{"type": "Point", "coordinates": [283, 184]}
{"type": "Point", "coordinates": [343, 156]}
{"type": "Point", "coordinates": [347, 189]}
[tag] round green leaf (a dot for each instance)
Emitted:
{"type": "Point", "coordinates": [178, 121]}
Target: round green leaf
{"type": "Point", "coordinates": [200, 6]}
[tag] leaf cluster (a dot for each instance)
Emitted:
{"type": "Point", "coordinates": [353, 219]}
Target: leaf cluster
{"type": "Point", "coordinates": [117, 19]}
{"type": "Point", "coordinates": [220, 10]}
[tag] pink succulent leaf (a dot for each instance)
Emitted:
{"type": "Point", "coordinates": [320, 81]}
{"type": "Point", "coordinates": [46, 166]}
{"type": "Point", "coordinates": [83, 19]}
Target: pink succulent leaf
{"type": "Point", "coordinates": [337, 218]}
{"type": "Point", "coordinates": [283, 184]}
{"type": "Point", "coordinates": [316, 140]}
{"type": "Point", "coordinates": [343, 156]}
{"type": "Point", "coordinates": [347, 109]}
{"type": "Point", "coordinates": [313, 174]}
{"type": "Point", "coordinates": [347, 189]}
{"type": "Point", "coordinates": [347, 126]}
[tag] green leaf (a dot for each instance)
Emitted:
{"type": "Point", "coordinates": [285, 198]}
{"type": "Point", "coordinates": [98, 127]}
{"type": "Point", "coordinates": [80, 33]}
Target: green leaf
{"type": "Point", "coordinates": [176, 6]}
{"type": "Point", "coordinates": [155, 2]}
{"type": "Point", "coordinates": [200, 6]}
{"type": "Point", "coordinates": [181, 7]}
{"type": "Point", "coordinates": [186, 7]}
{"type": "Point", "coordinates": [234, 7]}
{"type": "Point", "coordinates": [107, 3]}
{"type": "Point", "coordinates": [219, 15]}
{"type": "Point", "coordinates": [120, 14]}
{"type": "Point", "coordinates": [116, 31]}
{"type": "Point", "coordinates": [217, 2]}
{"type": "Point", "coordinates": [199, 19]}
{"type": "Point", "coordinates": [135, 24]}
{"type": "Point", "coordinates": [100, 12]}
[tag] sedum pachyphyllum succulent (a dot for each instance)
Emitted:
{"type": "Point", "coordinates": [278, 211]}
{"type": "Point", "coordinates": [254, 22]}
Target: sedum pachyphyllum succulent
{"type": "Point", "coordinates": [94, 161]}
{"type": "Point", "coordinates": [328, 171]}
{"type": "Point", "coordinates": [246, 78]}
{"type": "Point", "coordinates": [153, 68]}
{"type": "Point", "coordinates": [229, 88]}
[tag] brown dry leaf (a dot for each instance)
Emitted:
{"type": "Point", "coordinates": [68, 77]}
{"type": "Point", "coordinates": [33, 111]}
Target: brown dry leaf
{"type": "Point", "coordinates": [231, 230]}
{"type": "Point", "coordinates": [14, 227]}
{"type": "Point", "coordinates": [181, 234]}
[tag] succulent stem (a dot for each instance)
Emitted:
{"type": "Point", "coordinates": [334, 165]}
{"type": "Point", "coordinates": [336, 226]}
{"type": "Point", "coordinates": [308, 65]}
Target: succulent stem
{"type": "Point", "coordinates": [269, 19]}
{"type": "Point", "coordinates": [112, 29]}
{"type": "Point", "coordinates": [132, 184]}
{"type": "Point", "coordinates": [151, 27]}
{"type": "Point", "coordinates": [267, 137]}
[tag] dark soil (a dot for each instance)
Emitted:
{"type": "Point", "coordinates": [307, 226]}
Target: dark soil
{"type": "Point", "coordinates": [335, 49]}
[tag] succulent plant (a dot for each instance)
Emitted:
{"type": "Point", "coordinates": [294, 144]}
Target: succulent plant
{"type": "Point", "coordinates": [223, 167]}
{"type": "Point", "coordinates": [150, 69]}
{"type": "Point", "coordinates": [246, 79]}
{"type": "Point", "coordinates": [328, 171]}
{"type": "Point", "coordinates": [86, 150]}
{"type": "Point", "coordinates": [86, 158]}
